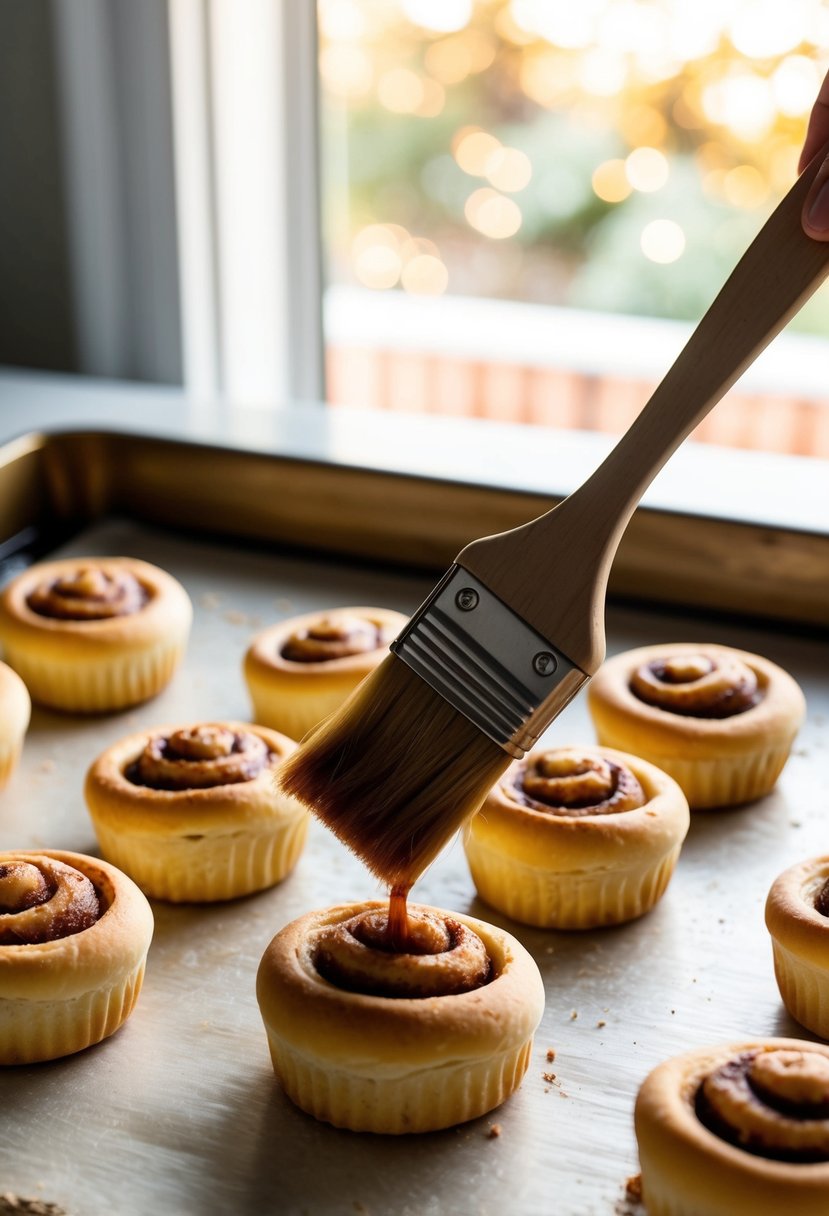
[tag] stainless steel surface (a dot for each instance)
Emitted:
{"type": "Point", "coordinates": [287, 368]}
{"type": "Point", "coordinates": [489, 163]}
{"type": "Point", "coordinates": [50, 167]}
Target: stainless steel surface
{"type": "Point", "coordinates": [179, 1112]}
{"type": "Point", "coordinates": [487, 662]}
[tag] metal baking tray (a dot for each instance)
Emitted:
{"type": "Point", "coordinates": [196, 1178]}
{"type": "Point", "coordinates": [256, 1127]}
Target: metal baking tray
{"type": "Point", "coordinates": [179, 1112]}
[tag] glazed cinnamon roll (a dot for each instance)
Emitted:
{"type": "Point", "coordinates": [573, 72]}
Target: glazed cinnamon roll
{"type": "Point", "coordinates": [797, 917]}
{"type": "Point", "coordinates": [74, 935]}
{"type": "Point", "coordinates": [193, 813]}
{"type": "Point", "coordinates": [720, 721]}
{"type": "Point", "coordinates": [94, 634]}
{"type": "Point", "coordinates": [574, 838]}
{"type": "Point", "coordinates": [371, 1039]}
{"type": "Point", "coordinates": [299, 671]}
{"type": "Point", "coordinates": [737, 1129]}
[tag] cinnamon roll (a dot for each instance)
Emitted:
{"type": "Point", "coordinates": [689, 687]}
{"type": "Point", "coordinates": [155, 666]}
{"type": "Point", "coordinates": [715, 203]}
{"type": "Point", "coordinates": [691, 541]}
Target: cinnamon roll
{"type": "Point", "coordinates": [193, 813]}
{"type": "Point", "coordinates": [299, 671]}
{"type": "Point", "coordinates": [371, 1039]}
{"type": "Point", "coordinates": [797, 917]}
{"type": "Point", "coordinates": [574, 838]}
{"type": "Point", "coordinates": [15, 711]}
{"type": "Point", "coordinates": [74, 936]}
{"type": "Point", "coordinates": [720, 721]}
{"type": "Point", "coordinates": [93, 634]}
{"type": "Point", "coordinates": [739, 1129]}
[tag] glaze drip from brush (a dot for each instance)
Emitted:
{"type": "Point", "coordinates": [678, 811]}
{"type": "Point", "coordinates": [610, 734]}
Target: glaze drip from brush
{"type": "Point", "coordinates": [442, 956]}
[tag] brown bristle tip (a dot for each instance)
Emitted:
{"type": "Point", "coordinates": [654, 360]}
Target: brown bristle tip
{"type": "Point", "coordinates": [394, 772]}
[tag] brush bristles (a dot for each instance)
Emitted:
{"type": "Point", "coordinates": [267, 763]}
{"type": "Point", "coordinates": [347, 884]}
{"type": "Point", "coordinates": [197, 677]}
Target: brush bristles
{"type": "Point", "coordinates": [394, 772]}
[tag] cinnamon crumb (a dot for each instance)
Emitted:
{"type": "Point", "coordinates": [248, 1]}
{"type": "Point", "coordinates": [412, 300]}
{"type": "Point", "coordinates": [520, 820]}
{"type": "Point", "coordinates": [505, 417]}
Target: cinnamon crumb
{"type": "Point", "coordinates": [549, 1076]}
{"type": "Point", "coordinates": [574, 1015]}
{"type": "Point", "coordinates": [494, 1132]}
{"type": "Point", "coordinates": [633, 1188]}
{"type": "Point", "coordinates": [551, 1054]}
{"type": "Point", "coordinates": [601, 1023]}
{"type": "Point", "coordinates": [234, 617]}
{"type": "Point", "coordinates": [210, 600]}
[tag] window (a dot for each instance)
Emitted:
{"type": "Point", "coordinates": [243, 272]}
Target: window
{"type": "Point", "coordinates": [528, 203]}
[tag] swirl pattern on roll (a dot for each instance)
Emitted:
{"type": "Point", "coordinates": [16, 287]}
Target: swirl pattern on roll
{"type": "Point", "coordinates": [772, 1103]}
{"type": "Point", "coordinates": [42, 899]}
{"type": "Point", "coordinates": [697, 685]}
{"type": "Point", "coordinates": [332, 637]}
{"type": "Point", "coordinates": [89, 594]}
{"type": "Point", "coordinates": [199, 757]}
{"type": "Point", "coordinates": [444, 958]}
{"type": "Point", "coordinates": [570, 782]}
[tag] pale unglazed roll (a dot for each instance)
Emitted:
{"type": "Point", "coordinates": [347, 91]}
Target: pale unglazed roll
{"type": "Point", "coordinates": [720, 721]}
{"type": "Point", "coordinates": [301, 670]}
{"type": "Point", "coordinates": [94, 634]}
{"type": "Point", "coordinates": [375, 1041]}
{"type": "Point", "coordinates": [74, 936]}
{"type": "Point", "coordinates": [797, 917]}
{"type": "Point", "coordinates": [737, 1130]}
{"type": "Point", "coordinates": [577, 837]}
{"type": "Point", "coordinates": [194, 813]}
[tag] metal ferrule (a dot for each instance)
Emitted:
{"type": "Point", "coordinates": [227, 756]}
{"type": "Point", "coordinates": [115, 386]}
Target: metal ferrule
{"type": "Point", "coordinates": [487, 662]}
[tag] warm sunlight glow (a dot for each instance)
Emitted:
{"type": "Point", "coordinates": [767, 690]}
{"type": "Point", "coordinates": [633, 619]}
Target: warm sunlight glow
{"type": "Point", "coordinates": [472, 150]}
{"type": "Point", "coordinates": [489, 213]}
{"type": "Point", "coordinates": [443, 15]}
{"type": "Point", "coordinates": [662, 241]}
{"type": "Point", "coordinates": [647, 169]}
{"type": "Point", "coordinates": [610, 181]}
{"type": "Point", "coordinates": [400, 90]}
{"type": "Point", "coordinates": [425, 275]}
{"type": "Point", "coordinates": [508, 169]}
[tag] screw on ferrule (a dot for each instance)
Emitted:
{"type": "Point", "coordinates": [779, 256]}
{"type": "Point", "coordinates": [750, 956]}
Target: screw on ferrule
{"type": "Point", "coordinates": [467, 599]}
{"type": "Point", "coordinates": [544, 663]}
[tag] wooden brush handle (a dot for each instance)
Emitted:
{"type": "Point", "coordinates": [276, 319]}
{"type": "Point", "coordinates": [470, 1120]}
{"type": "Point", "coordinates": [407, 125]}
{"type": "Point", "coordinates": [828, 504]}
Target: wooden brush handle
{"type": "Point", "coordinates": [553, 571]}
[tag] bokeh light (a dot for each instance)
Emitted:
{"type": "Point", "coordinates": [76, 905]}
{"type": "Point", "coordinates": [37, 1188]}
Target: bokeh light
{"type": "Point", "coordinates": [443, 15]}
{"type": "Point", "coordinates": [647, 169]}
{"type": "Point", "coordinates": [508, 169]}
{"type": "Point", "coordinates": [493, 215]}
{"type": "Point", "coordinates": [472, 150]}
{"type": "Point", "coordinates": [425, 275]}
{"type": "Point", "coordinates": [610, 181]}
{"type": "Point", "coordinates": [662, 241]}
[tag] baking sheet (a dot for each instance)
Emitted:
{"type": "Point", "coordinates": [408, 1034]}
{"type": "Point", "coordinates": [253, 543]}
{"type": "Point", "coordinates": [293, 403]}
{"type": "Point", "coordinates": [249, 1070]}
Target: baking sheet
{"type": "Point", "coordinates": [179, 1112]}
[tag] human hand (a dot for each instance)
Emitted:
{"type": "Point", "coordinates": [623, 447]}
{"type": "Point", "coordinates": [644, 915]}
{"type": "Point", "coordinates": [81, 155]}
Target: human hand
{"type": "Point", "coordinates": [816, 206]}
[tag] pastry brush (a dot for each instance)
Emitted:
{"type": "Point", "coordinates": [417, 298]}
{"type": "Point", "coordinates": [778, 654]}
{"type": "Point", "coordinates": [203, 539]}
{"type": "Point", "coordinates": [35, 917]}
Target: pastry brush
{"type": "Point", "coordinates": [516, 626]}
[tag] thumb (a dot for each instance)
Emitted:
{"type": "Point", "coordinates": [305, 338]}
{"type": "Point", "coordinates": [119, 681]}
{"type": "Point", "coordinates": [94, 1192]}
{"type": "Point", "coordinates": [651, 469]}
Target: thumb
{"type": "Point", "coordinates": [815, 215]}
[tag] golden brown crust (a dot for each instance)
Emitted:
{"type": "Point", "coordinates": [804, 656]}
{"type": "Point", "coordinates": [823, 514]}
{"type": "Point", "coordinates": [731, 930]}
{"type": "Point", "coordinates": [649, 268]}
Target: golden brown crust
{"type": "Point", "coordinates": [265, 655]}
{"type": "Point", "coordinates": [67, 967]}
{"type": "Point", "coordinates": [791, 916]}
{"type": "Point", "coordinates": [167, 608]}
{"type": "Point", "coordinates": [688, 1169]}
{"type": "Point", "coordinates": [139, 808]}
{"type": "Point", "coordinates": [655, 732]}
{"type": "Point", "coordinates": [390, 1035]}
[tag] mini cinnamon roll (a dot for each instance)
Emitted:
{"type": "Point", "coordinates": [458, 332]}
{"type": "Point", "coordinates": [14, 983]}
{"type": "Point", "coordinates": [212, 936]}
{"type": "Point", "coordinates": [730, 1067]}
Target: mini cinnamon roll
{"type": "Point", "coordinates": [574, 838]}
{"type": "Point", "coordinates": [720, 721]}
{"type": "Point", "coordinates": [193, 813]}
{"type": "Point", "coordinates": [797, 917]}
{"type": "Point", "coordinates": [739, 1129]}
{"type": "Point", "coordinates": [375, 1040]}
{"type": "Point", "coordinates": [92, 634]}
{"type": "Point", "coordinates": [74, 935]}
{"type": "Point", "coordinates": [15, 711]}
{"type": "Point", "coordinates": [299, 671]}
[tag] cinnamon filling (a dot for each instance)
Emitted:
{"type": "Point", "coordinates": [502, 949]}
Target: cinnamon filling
{"type": "Point", "coordinates": [43, 900]}
{"type": "Point", "coordinates": [697, 686]}
{"type": "Point", "coordinates": [822, 899]}
{"type": "Point", "coordinates": [89, 594]}
{"type": "Point", "coordinates": [772, 1103]}
{"type": "Point", "coordinates": [199, 757]}
{"type": "Point", "coordinates": [569, 782]}
{"type": "Point", "coordinates": [332, 638]}
{"type": "Point", "coordinates": [443, 957]}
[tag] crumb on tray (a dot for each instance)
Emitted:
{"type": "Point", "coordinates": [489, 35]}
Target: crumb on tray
{"type": "Point", "coordinates": [494, 1132]}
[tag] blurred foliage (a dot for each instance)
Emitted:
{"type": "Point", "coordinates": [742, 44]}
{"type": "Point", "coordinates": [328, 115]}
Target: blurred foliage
{"type": "Point", "coordinates": [720, 90]}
